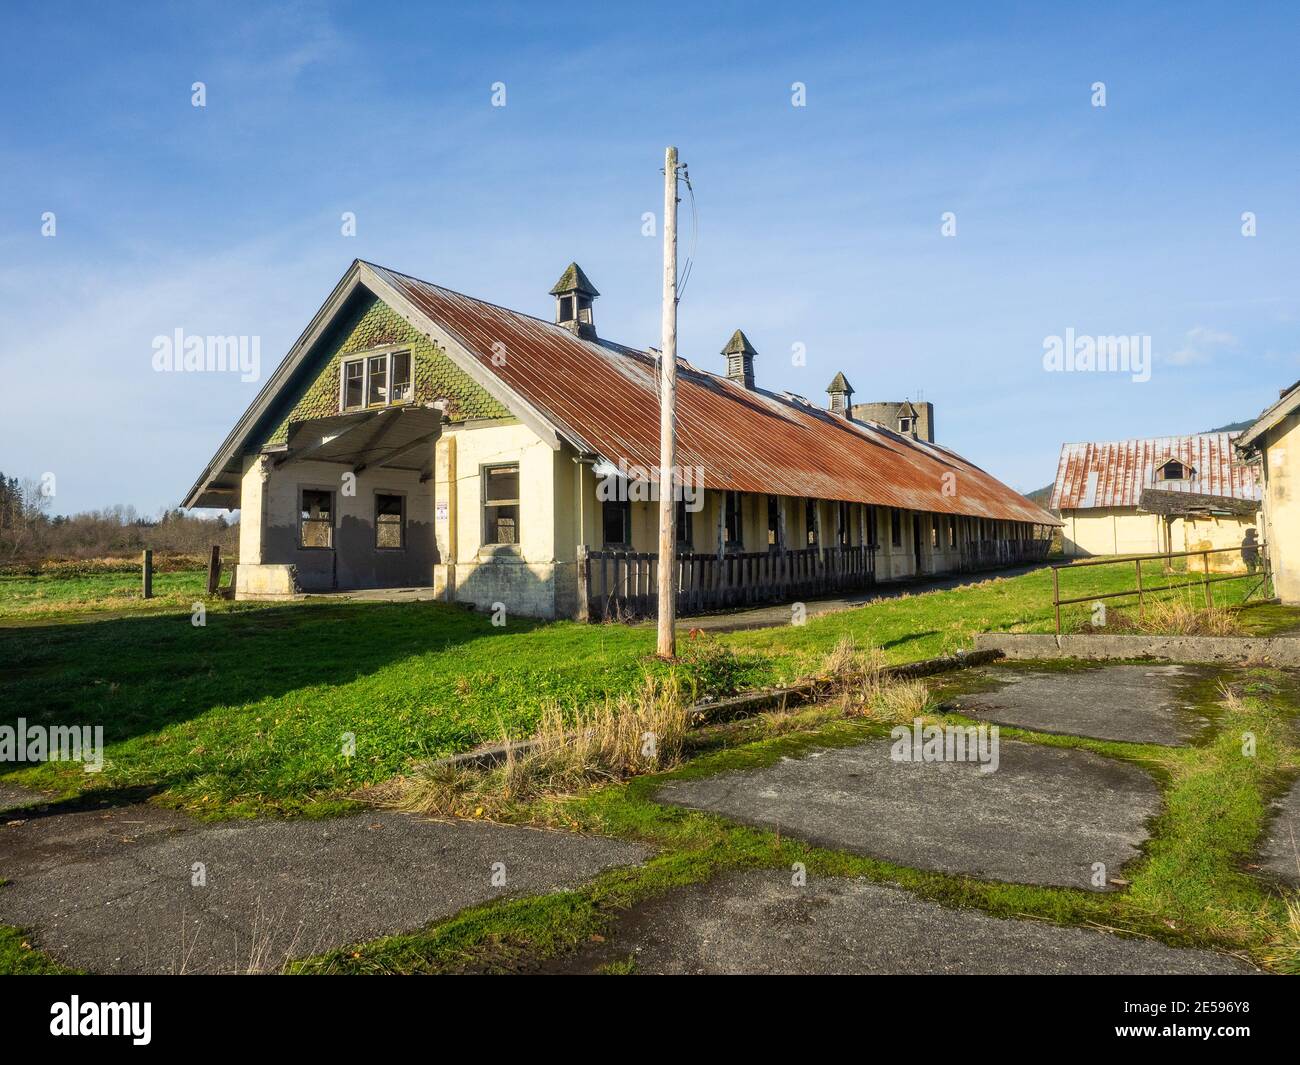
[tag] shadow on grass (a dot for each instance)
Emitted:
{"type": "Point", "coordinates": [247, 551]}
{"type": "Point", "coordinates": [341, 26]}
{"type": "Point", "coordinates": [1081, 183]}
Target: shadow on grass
{"type": "Point", "coordinates": [140, 674]}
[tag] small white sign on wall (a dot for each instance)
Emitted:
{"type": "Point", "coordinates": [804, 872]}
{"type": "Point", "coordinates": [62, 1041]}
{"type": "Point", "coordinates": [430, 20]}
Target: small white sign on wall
{"type": "Point", "coordinates": [440, 511]}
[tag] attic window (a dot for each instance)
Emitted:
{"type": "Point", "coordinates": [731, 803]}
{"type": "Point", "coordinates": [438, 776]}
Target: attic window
{"type": "Point", "coordinates": [1173, 470]}
{"type": "Point", "coordinates": [904, 425]}
{"type": "Point", "coordinates": [376, 381]}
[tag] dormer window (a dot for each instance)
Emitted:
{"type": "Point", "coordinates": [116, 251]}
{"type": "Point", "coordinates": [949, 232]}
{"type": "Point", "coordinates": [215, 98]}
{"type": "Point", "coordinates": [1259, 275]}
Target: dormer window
{"type": "Point", "coordinates": [1173, 470]}
{"type": "Point", "coordinates": [376, 381]}
{"type": "Point", "coordinates": [904, 425]}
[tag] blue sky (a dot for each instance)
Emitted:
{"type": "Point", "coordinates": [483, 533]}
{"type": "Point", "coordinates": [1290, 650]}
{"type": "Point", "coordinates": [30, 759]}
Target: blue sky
{"type": "Point", "coordinates": [818, 225]}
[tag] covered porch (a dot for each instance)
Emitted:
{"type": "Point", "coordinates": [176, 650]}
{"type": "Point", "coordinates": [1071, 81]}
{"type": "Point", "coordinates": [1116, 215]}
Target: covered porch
{"type": "Point", "coordinates": [344, 503]}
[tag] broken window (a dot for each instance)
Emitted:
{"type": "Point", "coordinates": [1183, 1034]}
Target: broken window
{"type": "Point", "coordinates": [896, 527]}
{"type": "Point", "coordinates": [501, 504]}
{"type": "Point", "coordinates": [873, 537]}
{"type": "Point", "coordinates": [952, 532]}
{"type": "Point", "coordinates": [377, 380]}
{"type": "Point", "coordinates": [904, 425]}
{"type": "Point", "coordinates": [401, 377]}
{"type": "Point", "coordinates": [316, 520]}
{"type": "Point", "coordinates": [390, 520]}
{"type": "Point", "coordinates": [616, 517]}
{"type": "Point", "coordinates": [934, 531]}
{"type": "Point", "coordinates": [773, 521]}
{"type": "Point", "coordinates": [684, 524]}
{"type": "Point", "coordinates": [810, 522]}
{"type": "Point", "coordinates": [732, 524]}
{"type": "Point", "coordinates": [843, 525]}
{"type": "Point", "coordinates": [354, 379]}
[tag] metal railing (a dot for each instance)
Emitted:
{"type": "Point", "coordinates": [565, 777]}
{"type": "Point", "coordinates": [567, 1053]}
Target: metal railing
{"type": "Point", "coordinates": [1260, 572]}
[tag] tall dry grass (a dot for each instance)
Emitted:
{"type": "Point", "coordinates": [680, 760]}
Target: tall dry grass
{"type": "Point", "coordinates": [643, 732]}
{"type": "Point", "coordinates": [857, 685]}
{"type": "Point", "coordinates": [1175, 617]}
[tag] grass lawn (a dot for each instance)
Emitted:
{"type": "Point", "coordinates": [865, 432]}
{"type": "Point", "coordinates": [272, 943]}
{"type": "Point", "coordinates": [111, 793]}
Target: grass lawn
{"type": "Point", "coordinates": [286, 708]}
{"type": "Point", "coordinates": [39, 598]}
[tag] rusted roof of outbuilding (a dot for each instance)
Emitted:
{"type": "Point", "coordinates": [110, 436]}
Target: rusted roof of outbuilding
{"type": "Point", "coordinates": [1115, 473]}
{"type": "Point", "coordinates": [603, 398]}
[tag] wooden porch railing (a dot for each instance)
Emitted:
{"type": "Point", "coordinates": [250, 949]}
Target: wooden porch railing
{"type": "Point", "coordinates": [989, 554]}
{"type": "Point", "coordinates": [623, 584]}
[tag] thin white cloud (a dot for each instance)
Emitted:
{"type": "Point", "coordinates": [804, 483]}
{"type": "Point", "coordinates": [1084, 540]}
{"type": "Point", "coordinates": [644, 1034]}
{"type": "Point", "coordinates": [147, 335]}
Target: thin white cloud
{"type": "Point", "coordinates": [1201, 344]}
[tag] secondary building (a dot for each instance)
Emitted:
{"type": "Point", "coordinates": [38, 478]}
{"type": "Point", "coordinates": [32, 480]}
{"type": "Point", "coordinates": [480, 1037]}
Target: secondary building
{"type": "Point", "coordinates": [1158, 495]}
{"type": "Point", "coordinates": [1272, 447]}
{"type": "Point", "coordinates": [414, 436]}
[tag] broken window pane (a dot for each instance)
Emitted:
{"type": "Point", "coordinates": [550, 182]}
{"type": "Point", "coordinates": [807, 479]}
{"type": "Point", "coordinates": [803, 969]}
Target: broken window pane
{"type": "Point", "coordinates": [732, 526]}
{"type": "Point", "coordinates": [685, 525]}
{"type": "Point", "coordinates": [501, 505]}
{"type": "Point", "coordinates": [389, 520]}
{"type": "Point", "coordinates": [401, 376]}
{"type": "Point", "coordinates": [616, 515]}
{"type": "Point", "coordinates": [316, 522]}
{"type": "Point", "coordinates": [354, 374]}
{"type": "Point", "coordinates": [377, 373]}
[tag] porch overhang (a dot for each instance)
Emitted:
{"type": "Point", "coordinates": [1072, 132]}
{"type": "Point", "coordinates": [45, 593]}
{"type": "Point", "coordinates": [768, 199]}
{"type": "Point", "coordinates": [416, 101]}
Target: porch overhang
{"type": "Point", "coordinates": [395, 438]}
{"type": "Point", "coordinates": [1175, 504]}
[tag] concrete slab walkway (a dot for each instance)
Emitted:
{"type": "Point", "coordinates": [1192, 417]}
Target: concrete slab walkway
{"type": "Point", "coordinates": [140, 889]}
{"type": "Point", "coordinates": [1280, 853]}
{"type": "Point", "coordinates": [1045, 816]}
{"type": "Point", "coordinates": [1132, 703]}
{"type": "Point", "coordinates": [757, 922]}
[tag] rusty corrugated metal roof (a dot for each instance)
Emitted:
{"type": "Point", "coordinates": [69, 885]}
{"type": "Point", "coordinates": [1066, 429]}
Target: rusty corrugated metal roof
{"type": "Point", "coordinates": [1113, 474]}
{"type": "Point", "coordinates": [604, 399]}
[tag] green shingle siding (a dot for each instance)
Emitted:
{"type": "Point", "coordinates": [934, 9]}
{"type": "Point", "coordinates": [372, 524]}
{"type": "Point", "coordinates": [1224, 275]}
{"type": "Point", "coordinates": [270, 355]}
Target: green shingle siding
{"type": "Point", "coordinates": [374, 324]}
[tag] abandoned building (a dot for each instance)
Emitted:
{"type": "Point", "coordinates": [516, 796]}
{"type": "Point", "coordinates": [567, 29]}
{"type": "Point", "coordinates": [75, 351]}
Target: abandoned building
{"type": "Point", "coordinates": [1272, 448]}
{"type": "Point", "coordinates": [414, 436]}
{"type": "Point", "coordinates": [1159, 495]}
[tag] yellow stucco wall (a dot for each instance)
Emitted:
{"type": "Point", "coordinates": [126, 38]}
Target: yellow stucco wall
{"type": "Point", "coordinates": [1282, 506]}
{"type": "Point", "coordinates": [518, 579]}
{"type": "Point", "coordinates": [1126, 531]}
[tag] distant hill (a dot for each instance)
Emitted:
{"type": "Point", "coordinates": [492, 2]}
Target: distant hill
{"type": "Point", "coordinates": [1232, 427]}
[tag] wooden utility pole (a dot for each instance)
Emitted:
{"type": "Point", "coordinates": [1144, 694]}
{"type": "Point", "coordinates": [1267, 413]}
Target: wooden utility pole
{"type": "Point", "coordinates": [668, 420]}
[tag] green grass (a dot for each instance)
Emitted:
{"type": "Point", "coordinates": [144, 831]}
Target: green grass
{"type": "Point", "coordinates": [251, 714]}
{"type": "Point", "coordinates": [19, 958]}
{"type": "Point", "coordinates": [1190, 887]}
{"type": "Point", "coordinates": [26, 599]}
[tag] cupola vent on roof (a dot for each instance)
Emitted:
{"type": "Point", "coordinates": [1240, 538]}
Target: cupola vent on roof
{"type": "Point", "coordinates": [840, 394]}
{"type": "Point", "coordinates": [740, 359]}
{"type": "Point", "coordinates": [574, 294]}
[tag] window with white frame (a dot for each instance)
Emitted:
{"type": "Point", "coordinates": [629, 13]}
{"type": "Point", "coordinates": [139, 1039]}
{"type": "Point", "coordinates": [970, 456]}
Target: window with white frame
{"type": "Point", "coordinates": [376, 380]}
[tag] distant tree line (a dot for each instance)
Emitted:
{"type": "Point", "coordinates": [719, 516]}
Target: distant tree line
{"type": "Point", "coordinates": [28, 532]}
